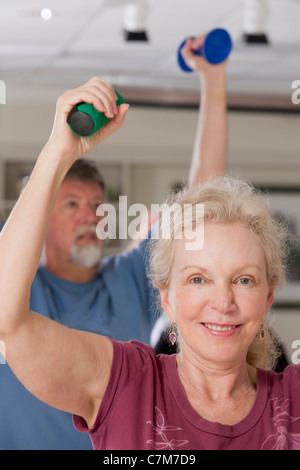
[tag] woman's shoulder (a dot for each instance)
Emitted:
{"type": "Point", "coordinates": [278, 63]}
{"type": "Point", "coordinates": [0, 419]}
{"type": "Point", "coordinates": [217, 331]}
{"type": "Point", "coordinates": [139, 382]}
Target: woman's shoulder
{"type": "Point", "coordinates": [291, 371]}
{"type": "Point", "coordinates": [288, 379]}
{"type": "Point", "coordinates": [137, 359]}
{"type": "Point", "coordinates": [132, 352]}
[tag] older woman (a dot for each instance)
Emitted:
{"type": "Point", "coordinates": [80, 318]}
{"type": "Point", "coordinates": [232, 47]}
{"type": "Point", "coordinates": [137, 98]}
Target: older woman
{"type": "Point", "coordinates": [216, 393]}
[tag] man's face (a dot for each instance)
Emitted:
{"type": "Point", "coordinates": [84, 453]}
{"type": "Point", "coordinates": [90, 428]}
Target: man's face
{"type": "Point", "coordinates": [72, 231]}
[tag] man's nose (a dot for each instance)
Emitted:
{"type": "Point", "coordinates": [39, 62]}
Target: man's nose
{"type": "Point", "coordinates": [88, 214]}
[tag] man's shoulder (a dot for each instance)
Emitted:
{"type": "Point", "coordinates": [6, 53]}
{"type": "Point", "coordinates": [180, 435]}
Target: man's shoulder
{"type": "Point", "coordinates": [127, 260]}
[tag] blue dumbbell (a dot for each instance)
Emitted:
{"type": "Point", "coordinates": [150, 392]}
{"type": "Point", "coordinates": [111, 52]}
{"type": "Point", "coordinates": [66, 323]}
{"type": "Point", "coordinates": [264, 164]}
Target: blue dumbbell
{"type": "Point", "coordinates": [215, 49]}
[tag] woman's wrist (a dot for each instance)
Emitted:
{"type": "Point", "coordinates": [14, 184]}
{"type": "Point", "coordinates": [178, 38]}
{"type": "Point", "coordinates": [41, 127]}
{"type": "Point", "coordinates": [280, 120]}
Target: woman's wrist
{"type": "Point", "coordinates": [56, 158]}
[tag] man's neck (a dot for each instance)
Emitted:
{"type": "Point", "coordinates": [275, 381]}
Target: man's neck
{"type": "Point", "coordinates": [72, 272]}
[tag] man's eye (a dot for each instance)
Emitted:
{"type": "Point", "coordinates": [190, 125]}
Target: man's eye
{"type": "Point", "coordinates": [71, 204]}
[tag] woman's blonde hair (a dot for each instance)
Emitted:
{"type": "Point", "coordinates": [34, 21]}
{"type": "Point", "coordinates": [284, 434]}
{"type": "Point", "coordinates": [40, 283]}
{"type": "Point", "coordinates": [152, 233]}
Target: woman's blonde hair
{"type": "Point", "coordinates": [226, 200]}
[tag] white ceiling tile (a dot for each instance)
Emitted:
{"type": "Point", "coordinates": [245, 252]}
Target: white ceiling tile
{"type": "Point", "coordinates": [86, 38]}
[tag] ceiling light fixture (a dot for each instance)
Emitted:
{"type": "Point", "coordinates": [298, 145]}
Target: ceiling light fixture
{"type": "Point", "coordinates": [135, 21]}
{"type": "Point", "coordinates": [256, 13]}
{"type": "Point", "coordinates": [46, 14]}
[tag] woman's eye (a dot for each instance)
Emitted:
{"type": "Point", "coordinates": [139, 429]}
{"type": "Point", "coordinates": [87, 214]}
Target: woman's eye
{"type": "Point", "coordinates": [245, 280]}
{"type": "Point", "coordinates": [197, 280]}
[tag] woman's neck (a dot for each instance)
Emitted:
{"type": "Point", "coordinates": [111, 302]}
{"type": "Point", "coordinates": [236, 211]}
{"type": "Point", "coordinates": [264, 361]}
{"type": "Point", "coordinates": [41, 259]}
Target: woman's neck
{"type": "Point", "coordinates": [220, 394]}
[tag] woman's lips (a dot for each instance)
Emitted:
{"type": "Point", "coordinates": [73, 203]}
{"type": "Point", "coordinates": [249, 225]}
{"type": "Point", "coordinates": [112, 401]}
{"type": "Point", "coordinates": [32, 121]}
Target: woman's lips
{"type": "Point", "coordinates": [223, 330]}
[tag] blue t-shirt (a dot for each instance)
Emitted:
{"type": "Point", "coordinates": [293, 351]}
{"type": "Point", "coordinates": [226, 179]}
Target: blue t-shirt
{"type": "Point", "coordinates": [119, 303]}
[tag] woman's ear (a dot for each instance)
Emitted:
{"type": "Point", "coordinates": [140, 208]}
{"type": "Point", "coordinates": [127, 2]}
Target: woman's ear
{"type": "Point", "coordinates": [166, 304]}
{"type": "Point", "coordinates": [270, 300]}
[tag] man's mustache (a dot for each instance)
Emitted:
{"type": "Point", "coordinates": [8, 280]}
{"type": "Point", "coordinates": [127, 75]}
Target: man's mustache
{"type": "Point", "coordinates": [91, 228]}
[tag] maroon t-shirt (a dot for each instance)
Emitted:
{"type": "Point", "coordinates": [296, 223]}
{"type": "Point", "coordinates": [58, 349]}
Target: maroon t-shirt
{"type": "Point", "coordinates": [145, 408]}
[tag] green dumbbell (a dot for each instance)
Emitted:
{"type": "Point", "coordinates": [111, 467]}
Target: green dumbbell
{"type": "Point", "coordinates": [84, 120]}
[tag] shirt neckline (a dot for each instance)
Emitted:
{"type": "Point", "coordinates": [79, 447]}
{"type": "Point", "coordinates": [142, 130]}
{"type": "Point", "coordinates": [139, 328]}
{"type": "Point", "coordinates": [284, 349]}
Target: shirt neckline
{"type": "Point", "coordinates": [197, 420]}
{"type": "Point", "coordinates": [69, 285]}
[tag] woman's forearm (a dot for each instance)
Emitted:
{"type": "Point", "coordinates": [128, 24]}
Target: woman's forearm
{"type": "Point", "coordinates": [23, 236]}
{"type": "Point", "coordinates": [66, 368]}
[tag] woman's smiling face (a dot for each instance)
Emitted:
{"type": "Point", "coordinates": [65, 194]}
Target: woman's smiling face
{"type": "Point", "coordinates": [219, 295]}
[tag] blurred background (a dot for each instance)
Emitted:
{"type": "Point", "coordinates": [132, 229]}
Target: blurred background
{"type": "Point", "coordinates": [49, 47]}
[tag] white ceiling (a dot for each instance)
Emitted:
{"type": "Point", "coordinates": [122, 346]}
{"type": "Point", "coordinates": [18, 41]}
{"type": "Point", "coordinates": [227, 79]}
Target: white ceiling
{"type": "Point", "coordinates": [40, 59]}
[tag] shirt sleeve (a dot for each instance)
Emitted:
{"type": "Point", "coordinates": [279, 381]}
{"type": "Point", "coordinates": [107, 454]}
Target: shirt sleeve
{"type": "Point", "coordinates": [137, 261]}
{"type": "Point", "coordinates": [129, 360]}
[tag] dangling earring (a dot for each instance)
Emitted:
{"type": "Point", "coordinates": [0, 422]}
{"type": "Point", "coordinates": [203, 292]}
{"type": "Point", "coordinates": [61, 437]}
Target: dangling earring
{"type": "Point", "coordinates": [262, 333]}
{"type": "Point", "coordinates": [173, 335]}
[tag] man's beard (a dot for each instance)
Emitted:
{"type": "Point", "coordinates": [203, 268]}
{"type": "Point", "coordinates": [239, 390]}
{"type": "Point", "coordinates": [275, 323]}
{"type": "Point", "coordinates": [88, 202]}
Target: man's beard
{"type": "Point", "coordinates": [89, 254]}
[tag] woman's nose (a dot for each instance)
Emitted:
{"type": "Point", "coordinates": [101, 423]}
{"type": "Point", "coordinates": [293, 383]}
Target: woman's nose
{"type": "Point", "coordinates": [223, 300]}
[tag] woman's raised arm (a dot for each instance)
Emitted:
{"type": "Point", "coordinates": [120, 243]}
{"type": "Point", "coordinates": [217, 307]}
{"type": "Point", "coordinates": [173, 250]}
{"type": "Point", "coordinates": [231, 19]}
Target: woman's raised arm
{"type": "Point", "coordinates": [67, 369]}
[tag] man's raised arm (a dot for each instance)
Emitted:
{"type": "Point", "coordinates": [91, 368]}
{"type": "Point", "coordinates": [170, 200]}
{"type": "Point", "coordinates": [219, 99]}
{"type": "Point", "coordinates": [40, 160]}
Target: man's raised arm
{"type": "Point", "coordinates": [210, 145]}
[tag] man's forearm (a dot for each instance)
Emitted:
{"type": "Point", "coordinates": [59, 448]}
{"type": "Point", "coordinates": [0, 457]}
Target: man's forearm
{"type": "Point", "coordinates": [210, 146]}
